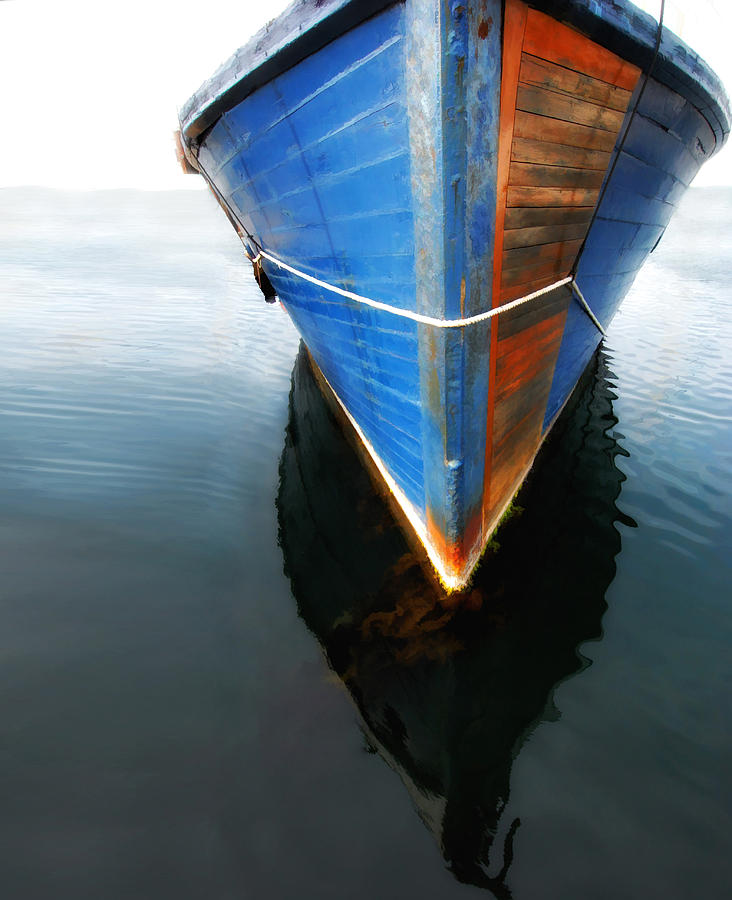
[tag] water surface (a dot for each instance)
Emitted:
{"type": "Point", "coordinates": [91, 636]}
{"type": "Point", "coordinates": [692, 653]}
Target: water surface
{"type": "Point", "coordinates": [223, 675]}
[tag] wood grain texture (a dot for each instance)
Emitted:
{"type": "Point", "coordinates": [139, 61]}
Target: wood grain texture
{"type": "Point", "coordinates": [546, 74]}
{"type": "Point", "coordinates": [528, 314]}
{"type": "Point", "coordinates": [543, 102]}
{"type": "Point", "coordinates": [519, 290]}
{"type": "Point", "coordinates": [539, 273]}
{"type": "Point", "coordinates": [550, 196]}
{"type": "Point", "coordinates": [539, 175]}
{"type": "Point", "coordinates": [548, 39]}
{"type": "Point", "coordinates": [548, 154]}
{"type": "Point", "coordinates": [533, 237]}
{"type": "Point", "coordinates": [526, 350]}
{"type": "Point", "coordinates": [571, 97]}
{"type": "Point", "coordinates": [525, 256]}
{"type": "Point", "coordinates": [538, 127]}
{"type": "Point", "coordinates": [513, 36]}
{"type": "Point", "coordinates": [531, 217]}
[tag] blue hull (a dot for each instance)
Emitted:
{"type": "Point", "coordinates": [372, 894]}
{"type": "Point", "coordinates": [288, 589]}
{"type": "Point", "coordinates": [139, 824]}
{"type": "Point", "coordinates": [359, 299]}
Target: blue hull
{"type": "Point", "coordinates": [360, 159]}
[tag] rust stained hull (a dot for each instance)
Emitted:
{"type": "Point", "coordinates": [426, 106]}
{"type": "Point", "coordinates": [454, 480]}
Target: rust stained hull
{"type": "Point", "coordinates": [445, 160]}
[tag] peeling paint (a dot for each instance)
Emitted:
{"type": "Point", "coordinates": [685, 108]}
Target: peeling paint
{"type": "Point", "coordinates": [484, 28]}
{"type": "Point", "coordinates": [453, 102]}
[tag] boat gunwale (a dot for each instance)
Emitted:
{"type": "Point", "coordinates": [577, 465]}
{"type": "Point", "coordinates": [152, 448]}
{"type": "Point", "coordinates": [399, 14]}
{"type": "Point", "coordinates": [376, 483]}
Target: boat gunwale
{"type": "Point", "coordinates": [300, 30]}
{"type": "Point", "coordinates": [307, 26]}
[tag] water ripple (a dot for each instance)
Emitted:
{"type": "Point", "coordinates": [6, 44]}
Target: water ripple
{"type": "Point", "coordinates": [671, 343]}
{"type": "Point", "coordinates": [136, 360]}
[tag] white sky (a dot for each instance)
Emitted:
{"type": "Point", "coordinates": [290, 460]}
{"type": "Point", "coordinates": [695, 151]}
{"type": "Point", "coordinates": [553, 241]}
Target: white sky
{"type": "Point", "coordinates": [89, 89]}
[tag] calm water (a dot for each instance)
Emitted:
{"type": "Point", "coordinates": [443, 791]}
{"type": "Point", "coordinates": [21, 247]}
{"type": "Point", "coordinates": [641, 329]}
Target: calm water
{"type": "Point", "coordinates": [222, 674]}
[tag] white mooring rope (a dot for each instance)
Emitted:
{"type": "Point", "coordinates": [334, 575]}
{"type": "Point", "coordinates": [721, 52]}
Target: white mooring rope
{"type": "Point", "coordinates": [407, 313]}
{"type": "Point", "coordinates": [585, 305]}
{"type": "Point", "coordinates": [430, 320]}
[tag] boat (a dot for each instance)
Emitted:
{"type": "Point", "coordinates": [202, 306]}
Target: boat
{"type": "Point", "coordinates": [451, 200]}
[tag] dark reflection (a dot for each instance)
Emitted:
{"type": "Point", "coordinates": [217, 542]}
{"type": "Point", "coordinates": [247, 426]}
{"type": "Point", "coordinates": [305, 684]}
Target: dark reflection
{"type": "Point", "coordinates": [448, 689]}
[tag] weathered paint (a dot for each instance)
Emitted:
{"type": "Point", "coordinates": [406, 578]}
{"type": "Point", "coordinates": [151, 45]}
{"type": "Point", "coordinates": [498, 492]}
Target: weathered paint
{"type": "Point", "coordinates": [303, 29]}
{"type": "Point", "coordinates": [316, 166]}
{"type": "Point", "coordinates": [667, 143]}
{"type": "Point", "coordinates": [365, 151]}
{"type": "Point", "coordinates": [514, 25]}
{"type": "Point", "coordinates": [563, 96]}
{"type": "Point", "coordinates": [453, 88]}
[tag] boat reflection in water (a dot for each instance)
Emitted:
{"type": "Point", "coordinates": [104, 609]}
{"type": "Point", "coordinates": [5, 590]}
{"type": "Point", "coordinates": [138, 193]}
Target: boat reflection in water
{"type": "Point", "coordinates": [449, 688]}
